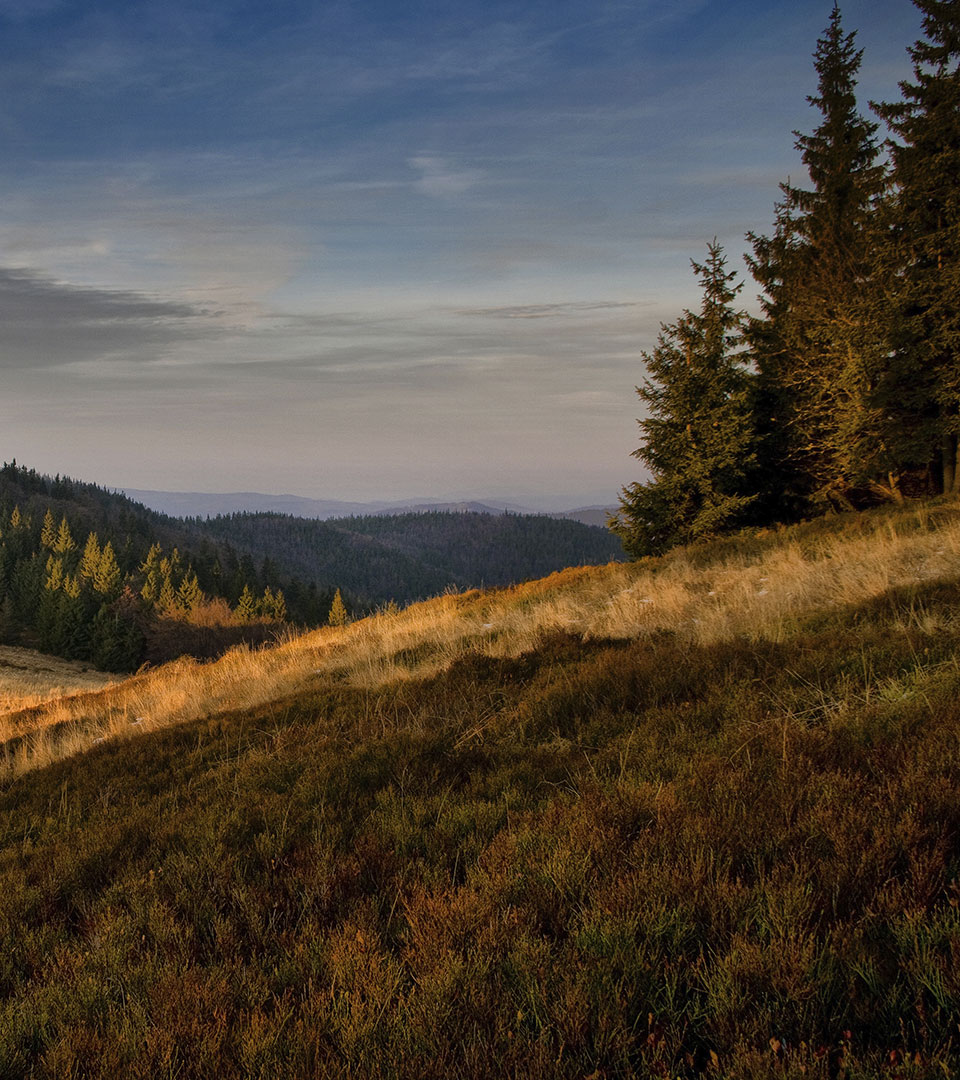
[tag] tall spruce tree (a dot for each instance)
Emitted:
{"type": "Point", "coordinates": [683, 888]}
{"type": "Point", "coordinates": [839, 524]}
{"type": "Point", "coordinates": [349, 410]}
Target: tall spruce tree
{"type": "Point", "coordinates": [698, 439]}
{"type": "Point", "coordinates": [925, 245]}
{"type": "Point", "coordinates": [818, 351]}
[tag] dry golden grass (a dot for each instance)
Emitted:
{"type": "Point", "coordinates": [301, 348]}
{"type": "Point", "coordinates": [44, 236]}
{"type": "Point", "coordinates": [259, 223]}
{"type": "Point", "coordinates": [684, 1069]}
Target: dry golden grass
{"type": "Point", "coordinates": [757, 586]}
{"type": "Point", "coordinates": [29, 678]}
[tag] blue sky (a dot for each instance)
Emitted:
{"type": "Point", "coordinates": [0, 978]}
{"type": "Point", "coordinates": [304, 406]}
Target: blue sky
{"type": "Point", "coordinates": [368, 250]}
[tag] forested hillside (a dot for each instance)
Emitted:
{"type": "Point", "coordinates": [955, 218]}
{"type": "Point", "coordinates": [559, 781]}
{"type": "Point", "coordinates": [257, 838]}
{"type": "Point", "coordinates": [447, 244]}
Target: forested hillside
{"type": "Point", "coordinates": [406, 557]}
{"type": "Point", "coordinates": [87, 574]}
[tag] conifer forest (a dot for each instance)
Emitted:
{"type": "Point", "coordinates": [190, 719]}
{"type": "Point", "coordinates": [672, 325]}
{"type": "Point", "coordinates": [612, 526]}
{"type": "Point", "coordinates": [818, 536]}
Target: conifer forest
{"type": "Point", "coordinates": [844, 390]}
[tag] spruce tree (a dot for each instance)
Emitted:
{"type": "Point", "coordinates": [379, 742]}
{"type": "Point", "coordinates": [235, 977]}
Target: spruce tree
{"type": "Point", "coordinates": [74, 618]}
{"type": "Point", "coordinates": [150, 568]}
{"type": "Point", "coordinates": [189, 595]}
{"type": "Point", "coordinates": [90, 559]}
{"type": "Point", "coordinates": [48, 532]}
{"type": "Point", "coordinates": [246, 609]}
{"type": "Point", "coordinates": [925, 244]}
{"type": "Point", "coordinates": [818, 350]}
{"type": "Point", "coordinates": [167, 598]}
{"type": "Point", "coordinates": [47, 617]}
{"type": "Point", "coordinates": [279, 606]}
{"type": "Point", "coordinates": [338, 611]}
{"type": "Point", "coordinates": [64, 542]}
{"type": "Point", "coordinates": [699, 435]}
{"type": "Point", "coordinates": [265, 603]}
{"type": "Point", "coordinates": [106, 579]}
{"type": "Point", "coordinates": [54, 570]}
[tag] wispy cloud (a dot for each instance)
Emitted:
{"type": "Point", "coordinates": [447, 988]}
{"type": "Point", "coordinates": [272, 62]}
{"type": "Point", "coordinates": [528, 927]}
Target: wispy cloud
{"type": "Point", "coordinates": [440, 178]}
{"type": "Point", "coordinates": [549, 311]}
{"type": "Point", "coordinates": [46, 323]}
{"type": "Point", "coordinates": [435, 240]}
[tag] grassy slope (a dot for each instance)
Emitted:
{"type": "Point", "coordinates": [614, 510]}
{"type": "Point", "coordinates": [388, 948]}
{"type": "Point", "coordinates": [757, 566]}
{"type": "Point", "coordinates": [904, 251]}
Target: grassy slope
{"type": "Point", "coordinates": [30, 678]}
{"type": "Point", "coordinates": [693, 850]}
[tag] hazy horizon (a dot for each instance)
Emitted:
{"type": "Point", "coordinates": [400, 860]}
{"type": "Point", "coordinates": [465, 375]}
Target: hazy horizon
{"type": "Point", "coordinates": [357, 253]}
{"type": "Point", "coordinates": [543, 502]}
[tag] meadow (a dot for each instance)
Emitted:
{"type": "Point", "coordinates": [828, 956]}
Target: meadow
{"type": "Point", "coordinates": [29, 678]}
{"type": "Point", "coordinates": [694, 816]}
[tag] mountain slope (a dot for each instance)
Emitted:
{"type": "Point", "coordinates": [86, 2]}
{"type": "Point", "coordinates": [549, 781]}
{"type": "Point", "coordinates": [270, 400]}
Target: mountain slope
{"type": "Point", "coordinates": [726, 847]}
{"type": "Point", "coordinates": [406, 557]}
{"type": "Point", "coordinates": [87, 574]}
{"type": "Point", "coordinates": [213, 583]}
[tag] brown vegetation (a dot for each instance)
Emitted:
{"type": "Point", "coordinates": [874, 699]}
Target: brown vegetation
{"type": "Point", "coordinates": [29, 678]}
{"type": "Point", "coordinates": [754, 586]}
{"type": "Point", "coordinates": [727, 848]}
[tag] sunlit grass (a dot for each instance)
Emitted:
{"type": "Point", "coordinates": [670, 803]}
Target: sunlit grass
{"type": "Point", "coordinates": [752, 587]}
{"type": "Point", "coordinates": [646, 846]}
{"type": "Point", "coordinates": [29, 678]}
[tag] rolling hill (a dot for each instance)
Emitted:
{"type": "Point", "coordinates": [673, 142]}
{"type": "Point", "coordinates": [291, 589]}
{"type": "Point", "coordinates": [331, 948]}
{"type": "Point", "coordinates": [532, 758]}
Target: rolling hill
{"type": "Point", "coordinates": [240, 577]}
{"type": "Point", "coordinates": [192, 504]}
{"type": "Point", "coordinates": [404, 557]}
{"type": "Point", "coordinates": [689, 817]}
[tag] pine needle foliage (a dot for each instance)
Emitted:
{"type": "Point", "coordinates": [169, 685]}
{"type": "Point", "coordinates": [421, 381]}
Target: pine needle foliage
{"type": "Point", "coordinates": [925, 242]}
{"type": "Point", "coordinates": [338, 611]}
{"type": "Point", "coordinates": [699, 432]}
{"type": "Point", "coordinates": [819, 346]}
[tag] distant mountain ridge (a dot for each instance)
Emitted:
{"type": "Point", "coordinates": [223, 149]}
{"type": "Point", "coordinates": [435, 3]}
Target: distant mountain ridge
{"type": "Point", "coordinates": [88, 573]}
{"type": "Point", "coordinates": [413, 555]}
{"type": "Point", "coordinates": [191, 504]}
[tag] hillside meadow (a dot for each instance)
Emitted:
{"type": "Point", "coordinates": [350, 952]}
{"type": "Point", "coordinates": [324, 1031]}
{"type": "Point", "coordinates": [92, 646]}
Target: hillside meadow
{"type": "Point", "coordinates": [30, 678]}
{"type": "Point", "coordinates": [693, 816]}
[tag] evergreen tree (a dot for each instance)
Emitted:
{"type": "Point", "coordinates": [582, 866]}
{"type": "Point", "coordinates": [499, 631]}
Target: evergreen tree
{"type": "Point", "coordinates": [819, 350]}
{"type": "Point", "coordinates": [26, 588]}
{"type": "Point", "coordinates": [74, 619]}
{"type": "Point", "coordinates": [189, 595]}
{"type": "Point", "coordinates": [167, 598]}
{"type": "Point", "coordinates": [116, 641]}
{"type": "Point", "coordinates": [150, 568]}
{"type": "Point", "coordinates": [90, 560]}
{"type": "Point", "coordinates": [338, 611]}
{"type": "Point", "coordinates": [54, 570]}
{"type": "Point", "coordinates": [48, 533]}
{"type": "Point", "coordinates": [925, 244]}
{"type": "Point", "coordinates": [48, 610]}
{"type": "Point", "coordinates": [64, 542]}
{"type": "Point", "coordinates": [106, 580]}
{"type": "Point", "coordinates": [699, 435]}
{"type": "Point", "coordinates": [246, 610]}
{"type": "Point", "coordinates": [265, 603]}
{"type": "Point", "coordinates": [279, 606]}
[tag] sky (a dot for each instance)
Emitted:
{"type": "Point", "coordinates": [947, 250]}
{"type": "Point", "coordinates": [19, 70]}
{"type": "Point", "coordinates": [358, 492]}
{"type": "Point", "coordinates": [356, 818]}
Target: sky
{"type": "Point", "coordinates": [359, 249]}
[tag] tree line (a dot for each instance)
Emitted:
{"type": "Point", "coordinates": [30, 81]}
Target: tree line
{"type": "Point", "coordinates": [845, 390]}
{"type": "Point", "coordinates": [88, 575]}
{"type": "Point", "coordinates": [405, 557]}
